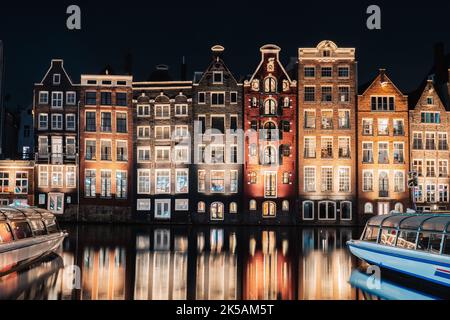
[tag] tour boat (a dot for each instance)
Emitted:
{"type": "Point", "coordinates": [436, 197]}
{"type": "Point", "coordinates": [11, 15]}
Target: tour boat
{"type": "Point", "coordinates": [417, 245]}
{"type": "Point", "coordinates": [26, 234]}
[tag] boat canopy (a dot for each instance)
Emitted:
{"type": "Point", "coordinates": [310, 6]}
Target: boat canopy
{"type": "Point", "coordinates": [424, 222]}
{"type": "Point", "coordinates": [16, 213]}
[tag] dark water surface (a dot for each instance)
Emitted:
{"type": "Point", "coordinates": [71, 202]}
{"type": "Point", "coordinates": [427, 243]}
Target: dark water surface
{"type": "Point", "coordinates": [202, 263]}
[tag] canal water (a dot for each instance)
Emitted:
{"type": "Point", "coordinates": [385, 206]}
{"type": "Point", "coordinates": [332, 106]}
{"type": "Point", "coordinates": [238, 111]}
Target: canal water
{"type": "Point", "coordinates": [99, 262]}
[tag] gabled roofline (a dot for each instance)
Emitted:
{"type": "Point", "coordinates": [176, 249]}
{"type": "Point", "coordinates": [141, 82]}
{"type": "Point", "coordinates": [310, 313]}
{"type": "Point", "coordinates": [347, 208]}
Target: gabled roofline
{"type": "Point", "coordinates": [51, 66]}
{"type": "Point", "coordinates": [382, 72]}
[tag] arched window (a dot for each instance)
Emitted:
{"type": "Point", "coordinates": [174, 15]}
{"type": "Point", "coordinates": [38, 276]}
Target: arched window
{"type": "Point", "coordinates": [201, 207]}
{"type": "Point", "coordinates": [285, 205]}
{"type": "Point", "coordinates": [217, 210]}
{"type": "Point", "coordinates": [269, 209]}
{"type": "Point", "coordinates": [270, 84]}
{"type": "Point", "coordinates": [346, 210]}
{"type": "Point", "coordinates": [399, 181]}
{"type": "Point", "coordinates": [368, 208]}
{"type": "Point", "coordinates": [398, 207]}
{"type": "Point", "coordinates": [308, 210]}
{"type": "Point", "coordinates": [270, 107]}
{"type": "Point", "coordinates": [252, 205]}
{"type": "Point", "coordinates": [233, 207]}
{"type": "Point", "coordinates": [270, 155]}
{"type": "Point", "coordinates": [270, 130]}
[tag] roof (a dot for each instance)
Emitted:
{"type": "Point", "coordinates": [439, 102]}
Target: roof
{"type": "Point", "coordinates": [441, 91]}
{"type": "Point", "coordinates": [425, 222]}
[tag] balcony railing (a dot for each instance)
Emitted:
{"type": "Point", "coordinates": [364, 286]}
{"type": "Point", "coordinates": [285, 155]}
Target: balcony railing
{"type": "Point", "coordinates": [383, 194]}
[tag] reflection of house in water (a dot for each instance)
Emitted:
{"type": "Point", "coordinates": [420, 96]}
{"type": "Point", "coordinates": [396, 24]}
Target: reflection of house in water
{"type": "Point", "coordinates": [217, 271]}
{"type": "Point", "coordinates": [268, 271]}
{"type": "Point", "coordinates": [161, 269]}
{"type": "Point", "coordinates": [325, 266]}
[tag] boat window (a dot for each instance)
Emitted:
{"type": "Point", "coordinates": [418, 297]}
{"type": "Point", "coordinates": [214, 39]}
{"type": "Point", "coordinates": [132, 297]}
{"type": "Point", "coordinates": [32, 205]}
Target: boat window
{"type": "Point", "coordinates": [5, 233]}
{"type": "Point", "coordinates": [388, 236]}
{"type": "Point", "coordinates": [446, 249]}
{"type": "Point", "coordinates": [38, 227]}
{"type": "Point", "coordinates": [407, 240]}
{"type": "Point", "coordinates": [51, 226]}
{"type": "Point", "coordinates": [371, 234]}
{"type": "Point", "coordinates": [429, 242]}
{"type": "Point", "coordinates": [21, 230]}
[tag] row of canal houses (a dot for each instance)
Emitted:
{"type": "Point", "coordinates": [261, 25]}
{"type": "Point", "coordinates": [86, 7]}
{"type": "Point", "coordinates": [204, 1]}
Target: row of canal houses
{"type": "Point", "coordinates": [298, 145]}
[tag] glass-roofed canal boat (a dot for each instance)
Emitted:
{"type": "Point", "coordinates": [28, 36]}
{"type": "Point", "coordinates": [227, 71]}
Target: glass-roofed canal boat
{"type": "Point", "coordinates": [26, 234]}
{"type": "Point", "coordinates": [413, 244]}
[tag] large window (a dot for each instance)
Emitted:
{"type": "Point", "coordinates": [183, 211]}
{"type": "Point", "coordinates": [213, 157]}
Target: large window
{"type": "Point", "coordinates": [121, 184]}
{"type": "Point", "coordinates": [309, 71]}
{"type": "Point", "coordinates": [327, 210]}
{"type": "Point", "coordinates": [43, 177]}
{"type": "Point", "coordinates": [367, 181]}
{"type": "Point", "coordinates": [443, 168]}
{"type": "Point", "coordinates": [344, 119]}
{"type": "Point", "coordinates": [43, 121]}
{"type": "Point", "coordinates": [143, 186]}
{"type": "Point", "coordinates": [70, 122]}
{"type": "Point", "coordinates": [270, 184]}
{"type": "Point", "coordinates": [234, 181]}
{"type": "Point", "coordinates": [326, 72]}
{"type": "Point", "coordinates": [162, 209]}
{"type": "Point", "coordinates": [327, 119]}
{"type": "Point", "coordinates": [90, 185]}
{"type": "Point", "coordinates": [162, 154]}
{"type": "Point", "coordinates": [106, 122]}
{"type": "Point", "coordinates": [121, 99]}
{"type": "Point", "coordinates": [143, 154]}
{"type": "Point", "coordinates": [310, 147]}
{"type": "Point", "coordinates": [383, 152]}
{"type": "Point", "coordinates": [417, 166]}
{"type": "Point", "coordinates": [105, 146]}
{"type": "Point", "coordinates": [310, 94]}
{"type": "Point", "coordinates": [91, 98]}
{"type": "Point", "coordinates": [383, 103]}
{"type": "Point", "coordinates": [57, 176]}
{"type": "Point", "coordinates": [308, 210]}
{"type": "Point", "coordinates": [367, 148]}
{"type": "Point", "coordinates": [442, 141]}
{"type": "Point", "coordinates": [431, 193]}
{"type": "Point", "coordinates": [57, 99]}
{"type": "Point", "coordinates": [21, 183]}
{"type": "Point", "coordinates": [344, 147]}
{"type": "Point", "coordinates": [327, 179]}
{"type": "Point", "coordinates": [431, 168]}
{"type": "Point", "coordinates": [90, 121]}
{"type": "Point", "coordinates": [310, 179]}
{"type": "Point", "coordinates": [105, 98]}
{"type": "Point", "coordinates": [57, 121]}
{"type": "Point", "coordinates": [367, 127]}
{"type": "Point", "coordinates": [143, 110]}
{"type": "Point", "coordinates": [270, 155]}
{"type": "Point", "coordinates": [105, 182]}
{"type": "Point", "coordinates": [162, 111]}
{"type": "Point", "coordinates": [121, 151]}
{"type": "Point", "coordinates": [218, 154]}
{"type": "Point", "coordinates": [182, 181]}
{"type": "Point", "coordinates": [201, 183]}
{"type": "Point", "coordinates": [399, 181]}
{"type": "Point", "coordinates": [217, 181]}
{"type": "Point", "coordinates": [121, 122]}
{"type": "Point", "coordinates": [217, 211]}
{"type": "Point", "coordinates": [270, 84]}
{"type": "Point", "coordinates": [430, 117]}
{"type": "Point", "coordinates": [310, 119]}
{"type": "Point", "coordinates": [399, 127]}
{"type": "Point", "coordinates": [344, 94]}
{"type": "Point", "coordinates": [71, 181]}
{"type": "Point", "coordinates": [327, 94]}
{"type": "Point", "coordinates": [326, 147]}
{"type": "Point", "coordinates": [269, 209]}
{"type": "Point", "coordinates": [383, 127]}
{"type": "Point", "coordinates": [399, 152]}
{"type": "Point", "coordinates": [344, 179]}
{"type": "Point", "coordinates": [346, 210]}
{"type": "Point", "coordinates": [181, 154]}
{"type": "Point", "coordinates": [217, 99]}
{"type": "Point", "coordinates": [270, 107]}
{"type": "Point", "coordinates": [430, 141]}
{"type": "Point", "coordinates": [218, 124]}
{"type": "Point", "coordinates": [162, 181]}
{"type": "Point", "coordinates": [417, 141]}
{"type": "Point", "coordinates": [181, 110]}
{"type": "Point", "coordinates": [443, 192]}
{"type": "Point", "coordinates": [91, 149]}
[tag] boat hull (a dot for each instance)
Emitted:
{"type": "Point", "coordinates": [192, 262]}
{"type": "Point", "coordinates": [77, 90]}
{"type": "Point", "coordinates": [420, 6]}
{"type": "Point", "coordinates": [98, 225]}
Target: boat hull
{"type": "Point", "coordinates": [422, 265]}
{"type": "Point", "coordinates": [17, 253]}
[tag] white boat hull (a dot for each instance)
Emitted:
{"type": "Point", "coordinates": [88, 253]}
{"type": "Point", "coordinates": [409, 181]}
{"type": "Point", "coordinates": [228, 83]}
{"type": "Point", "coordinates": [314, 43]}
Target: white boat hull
{"type": "Point", "coordinates": [22, 251]}
{"type": "Point", "coordinates": [422, 265]}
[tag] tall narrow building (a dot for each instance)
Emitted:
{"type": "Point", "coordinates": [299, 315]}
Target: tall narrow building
{"type": "Point", "coordinates": [429, 123]}
{"type": "Point", "coordinates": [218, 144]}
{"type": "Point", "coordinates": [327, 190]}
{"type": "Point", "coordinates": [270, 123]}
{"type": "Point", "coordinates": [383, 148]}
{"type": "Point", "coordinates": [106, 147]}
{"type": "Point", "coordinates": [55, 112]}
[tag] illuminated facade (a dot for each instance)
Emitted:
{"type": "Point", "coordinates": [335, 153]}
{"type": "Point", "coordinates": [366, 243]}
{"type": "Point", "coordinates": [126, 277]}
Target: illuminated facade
{"type": "Point", "coordinates": [383, 148]}
{"type": "Point", "coordinates": [270, 124]}
{"type": "Point", "coordinates": [216, 169]}
{"type": "Point", "coordinates": [327, 134]}
{"type": "Point", "coordinates": [106, 146]}
{"type": "Point", "coordinates": [429, 125]}
{"type": "Point", "coordinates": [17, 182]}
{"type": "Point", "coordinates": [55, 112]}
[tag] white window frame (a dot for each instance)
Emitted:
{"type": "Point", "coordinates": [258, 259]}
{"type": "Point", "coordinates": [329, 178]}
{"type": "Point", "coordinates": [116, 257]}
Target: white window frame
{"type": "Point", "coordinates": [313, 210]}
{"type": "Point", "coordinates": [162, 202]}
{"type": "Point", "coordinates": [181, 107]}
{"type": "Point", "coordinates": [177, 171]}
{"type": "Point", "coordinates": [149, 177]}
{"type": "Point", "coordinates": [178, 204]}
{"type": "Point", "coordinates": [214, 77]}
{"type": "Point", "coordinates": [39, 121]}
{"type": "Point", "coordinates": [41, 173]}
{"type": "Point", "coordinates": [56, 79]}
{"type": "Point", "coordinates": [163, 128]}
{"type": "Point", "coordinates": [61, 119]}
{"type": "Point", "coordinates": [161, 116]}
{"type": "Point", "coordinates": [211, 181]}
{"type": "Point", "coordinates": [304, 179]}
{"type": "Point", "coordinates": [68, 100]}
{"type": "Point", "coordinates": [143, 149]}
{"type": "Point", "coordinates": [161, 148]}
{"type": "Point", "coordinates": [68, 172]}
{"type": "Point", "coordinates": [143, 107]}
{"type": "Point", "coordinates": [41, 95]}
{"type": "Point", "coordinates": [143, 128]}
{"type": "Point", "coordinates": [157, 172]}
{"type": "Point", "coordinates": [74, 122]}
{"type": "Point", "coordinates": [351, 211]}
{"type": "Point", "coordinates": [57, 96]}
{"type": "Point", "coordinates": [328, 215]}
{"type": "Point", "coordinates": [143, 204]}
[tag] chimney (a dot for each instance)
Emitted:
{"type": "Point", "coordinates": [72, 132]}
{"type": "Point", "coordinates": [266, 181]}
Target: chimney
{"type": "Point", "coordinates": [217, 51]}
{"type": "Point", "coordinates": [440, 70]}
{"type": "Point", "coordinates": [183, 69]}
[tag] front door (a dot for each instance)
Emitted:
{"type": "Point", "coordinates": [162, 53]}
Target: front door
{"type": "Point", "coordinates": [56, 203]}
{"type": "Point", "coordinates": [383, 208]}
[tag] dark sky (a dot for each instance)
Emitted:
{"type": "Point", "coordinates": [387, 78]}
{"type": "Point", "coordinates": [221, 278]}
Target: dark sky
{"type": "Point", "coordinates": [163, 31]}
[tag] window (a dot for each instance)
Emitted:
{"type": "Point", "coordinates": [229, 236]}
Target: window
{"type": "Point", "coordinates": [270, 107]}
{"type": "Point", "coordinates": [253, 177]}
{"type": "Point", "coordinates": [367, 181]}
{"type": "Point", "coordinates": [383, 152]}
{"type": "Point", "coordinates": [399, 181]}
{"type": "Point", "coordinates": [57, 99]}
{"type": "Point", "coordinates": [90, 121]}
{"type": "Point", "coordinates": [254, 125]}
{"type": "Point", "coordinates": [430, 100]}
{"type": "Point", "coordinates": [121, 122]}
{"type": "Point", "coordinates": [162, 111]}
{"type": "Point", "coordinates": [218, 124]}
{"type": "Point", "coordinates": [43, 146]}
{"type": "Point", "coordinates": [91, 149]}
{"type": "Point", "coordinates": [310, 94]}
{"type": "Point", "coordinates": [431, 193]}
{"type": "Point", "coordinates": [309, 72]}
{"type": "Point", "coordinates": [56, 79]}
{"type": "Point", "coordinates": [233, 123]}
{"type": "Point", "coordinates": [368, 208]}
{"type": "Point", "coordinates": [181, 110]}
{"type": "Point", "coordinates": [443, 168]}
{"type": "Point", "coordinates": [201, 186]}
{"type": "Point", "coordinates": [443, 192]}
{"type": "Point", "coordinates": [234, 154]}
{"type": "Point", "coordinates": [442, 141]}
{"type": "Point", "coordinates": [430, 141]}
{"type": "Point", "coordinates": [344, 147]}
{"type": "Point", "coordinates": [346, 210]}
{"type": "Point", "coordinates": [162, 154]}
{"type": "Point", "coordinates": [344, 119]}
{"type": "Point", "coordinates": [70, 147]}
{"type": "Point", "coordinates": [234, 181]}
{"type": "Point", "coordinates": [254, 103]}
{"type": "Point", "coordinates": [181, 154]}
{"type": "Point", "coordinates": [310, 179]}
{"type": "Point", "coordinates": [343, 72]}
{"type": "Point", "coordinates": [71, 98]}
{"type": "Point", "coordinates": [162, 181]}
{"type": "Point", "coordinates": [201, 154]}
{"type": "Point", "coordinates": [143, 132]}
{"type": "Point", "coordinates": [182, 181]}
{"type": "Point", "coordinates": [143, 154]}
{"type": "Point", "coordinates": [217, 99]}
{"type": "Point", "coordinates": [430, 165]}
{"type": "Point", "coordinates": [162, 209]}
{"type": "Point", "coordinates": [252, 205]}
{"type": "Point", "coordinates": [70, 122]}
{"type": "Point", "coordinates": [270, 84]}
{"type": "Point", "coordinates": [217, 77]}
{"type": "Point", "coordinates": [270, 184]}
{"type": "Point", "coordinates": [181, 204]}
{"type": "Point", "coordinates": [308, 210]}
{"type": "Point", "coordinates": [327, 94]}
{"type": "Point", "coordinates": [310, 147]}
{"type": "Point", "coordinates": [201, 207]}
{"type": "Point", "coordinates": [327, 210]}
{"type": "Point", "coordinates": [344, 179]}
{"type": "Point", "coordinates": [181, 132]}
{"type": "Point", "coordinates": [327, 119]}
{"type": "Point", "coordinates": [121, 151]}
{"type": "Point", "coordinates": [201, 97]}
{"type": "Point", "coordinates": [43, 97]}
{"type": "Point", "coordinates": [344, 94]}
{"type": "Point", "coordinates": [105, 149]}
{"type": "Point", "coordinates": [217, 154]}
{"type": "Point", "coordinates": [233, 97]}
{"type": "Point", "coordinates": [399, 127]}
{"type": "Point", "coordinates": [327, 179]}
{"type": "Point", "coordinates": [143, 110]}
{"type": "Point", "coordinates": [143, 186]}
{"type": "Point", "coordinates": [71, 181]}
{"type": "Point", "coordinates": [326, 53]}
{"type": "Point", "coordinates": [105, 184]}
{"type": "Point", "coordinates": [417, 167]}
{"type": "Point", "coordinates": [233, 207]}
{"type": "Point", "coordinates": [106, 122]}
{"type": "Point", "coordinates": [285, 205]}
{"type": "Point", "coordinates": [383, 127]}
{"type": "Point", "coordinates": [326, 148]}
{"type": "Point", "coordinates": [430, 117]}
{"type": "Point", "coordinates": [162, 132]}
{"type": "Point", "coordinates": [43, 121]}
{"type": "Point", "coordinates": [43, 177]}
{"type": "Point", "coordinates": [367, 148]}
{"type": "Point", "coordinates": [217, 181]}
{"type": "Point", "coordinates": [90, 185]}
{"type": "Point", "coordinates": [326, 72]}
{"type": "Point", "coordinates": [399, 155]}
{"type": "Point", "coordinates": [269, 155]}
{"type": "Point", "coordinates": [91, 98]}
{"type": "Point", "coordinates": [4, 182]}
{"type": "Point", "coordinates": [217, 210]}
{"type": "Point", "coordinates": [201, 123]}
{"type": "Point", "coordinates": [367, 127]}
{"type": "Point", "coordinates": [105, 98]}
{"type": "Point", "coordinates": [310, 119]}
{"type": "Point", "coordinates": [417, 141]}
{"type": "Point", "coordinates": [57, 176]}
{"type": "Point", "coordinates": [121, 184]}
{"type": "Point", "coordinates": [143, 205]}
{"type": "Point", "coordinates": [382, 103]}
{"type": "Point", "coordinates": [121, 99]}
{"type": "Point", "coordinates": [418, 194]}
{"type": "Point", "coordinates": [57, 121]}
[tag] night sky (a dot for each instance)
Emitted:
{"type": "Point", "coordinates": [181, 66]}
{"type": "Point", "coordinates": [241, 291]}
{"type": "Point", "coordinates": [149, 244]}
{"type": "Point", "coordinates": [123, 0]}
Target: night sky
{"type": "Point", "coordinates": [156, 32]}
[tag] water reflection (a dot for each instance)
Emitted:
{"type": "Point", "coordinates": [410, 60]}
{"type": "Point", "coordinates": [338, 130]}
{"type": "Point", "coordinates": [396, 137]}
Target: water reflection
{"type": "Point", "coordinates": [177, 263]}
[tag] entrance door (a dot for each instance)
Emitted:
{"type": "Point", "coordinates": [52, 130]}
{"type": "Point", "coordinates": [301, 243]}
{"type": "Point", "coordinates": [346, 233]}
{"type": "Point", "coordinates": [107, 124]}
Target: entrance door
{"type": "Point", "coordinates": [383, 208]}
{"type": "Point", "coordinates": [56, 202]}
{"type": "Point", "coordinates": [269, 209]}
{"type": "Point", "coordinates": [217, 209]}
{"type": "Point", "coordinates": [57, 150]}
